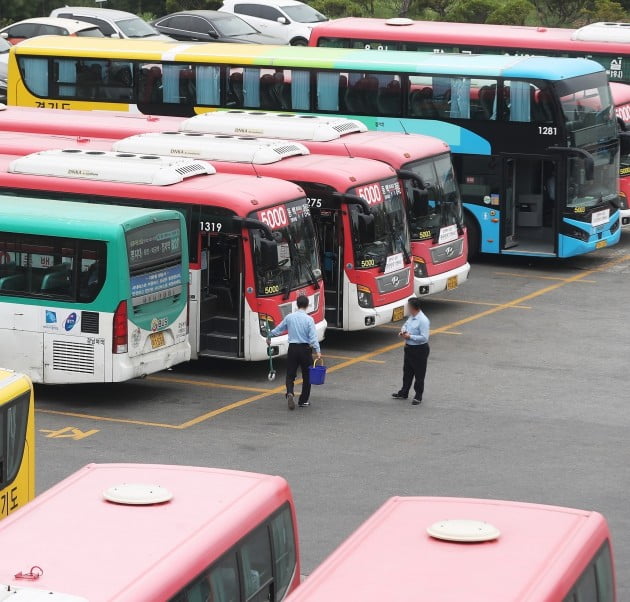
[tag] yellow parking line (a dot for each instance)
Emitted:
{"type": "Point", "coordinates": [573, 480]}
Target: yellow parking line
{"type": "Point", "coordinates": [449, 332]}
{"type": "Point", "coordinates": [207, 383]}
{"type": "Point", "coordinates": [483, 303]}
{"type": "Point", "coordinates": [108, 419]}
{"type": "Point", "coordinates": [536, 277]}
{"type": "Point", "coordinates": [348, 357]}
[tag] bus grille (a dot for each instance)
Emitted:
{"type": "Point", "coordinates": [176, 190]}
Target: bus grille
{"type": "Point", "coordinates": [343, 128]}
{"type": "Point", "coordinates": [394, 281]}
{"type": "Point", "coordinates": [89, 322]}
{"type": "Point", "coordinates": [288, 149]}
{"type": "Point", "coordinates": [190, 169]}
{"type": "Point", "coordinates": [448, 251]}
{"type": "Point", "coordinates": [73, 357]}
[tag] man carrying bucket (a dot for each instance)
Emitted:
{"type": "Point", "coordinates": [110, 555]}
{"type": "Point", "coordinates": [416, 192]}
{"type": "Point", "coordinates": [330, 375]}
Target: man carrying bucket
{"type": "Point", "coordinates": [302, 342]}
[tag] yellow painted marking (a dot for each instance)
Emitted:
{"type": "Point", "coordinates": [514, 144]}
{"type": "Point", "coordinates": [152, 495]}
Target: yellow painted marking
{"type": "Point", "coordinates": [206, 383]}
{"type": "Point", "coordinates": [449, 332]}
{"type": "Point", "coordinates": [536, 277]}
{"type": "Point", "coordinates": [447, 328]}
{"type": "Point", "coordinates": [69, 432]}
{"type": "Point", "coordinates": [483, 303]}
{"type": "Point", "coordinates": [348, 357]}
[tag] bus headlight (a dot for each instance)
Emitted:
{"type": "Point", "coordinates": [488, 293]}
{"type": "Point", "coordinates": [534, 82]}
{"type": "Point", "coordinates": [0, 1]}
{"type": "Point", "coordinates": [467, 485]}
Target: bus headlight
{"type": "Point", "coordinates": [364, 297]}
{"type": "Point", "coordinates": [623, 201]}
{"type": "Point", "coordinates": [266, 324]}
{"type": "Point", "coordinates": [419, 267]}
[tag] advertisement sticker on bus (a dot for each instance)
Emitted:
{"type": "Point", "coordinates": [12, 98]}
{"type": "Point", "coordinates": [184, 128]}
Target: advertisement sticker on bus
{"type": "Point", "coordinates": [372, 194]}
{"type": "Point", "coordinates": [60, 320]}
{"type": "Point", "coordinates": [156, 285]}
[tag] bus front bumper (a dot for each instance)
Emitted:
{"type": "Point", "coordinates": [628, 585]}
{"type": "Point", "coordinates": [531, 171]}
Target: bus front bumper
{"type": "Point", "coordinates": [125, 367]}
{"type": "Point", "coordinates": [441, 282]}
{"type": "Point", "coordinates": [625, 217]}
{"type": "Point", "coordinates": [360, 318]}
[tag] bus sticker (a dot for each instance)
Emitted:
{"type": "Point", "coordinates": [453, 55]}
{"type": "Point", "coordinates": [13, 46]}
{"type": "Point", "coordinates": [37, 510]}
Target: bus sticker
{"type": "Point", "coordinates": [372, 193]}
{"type": "Point", "coordinates": [275, 218]}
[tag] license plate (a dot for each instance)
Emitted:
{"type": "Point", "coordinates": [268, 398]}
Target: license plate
{"type": "Point", "coordinates": [600, 245]}
{"type": "Point", "coordinates": [398, 314]}
{"type": "Point", "coordinates": [157, 340]}
{"type": "Point", "coordinates": [451, 283]}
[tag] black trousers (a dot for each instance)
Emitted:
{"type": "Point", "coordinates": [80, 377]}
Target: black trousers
{"type": "Point", "coordinates": [299, 356]}
{"type": "Point", "coordinates": [415, 366]}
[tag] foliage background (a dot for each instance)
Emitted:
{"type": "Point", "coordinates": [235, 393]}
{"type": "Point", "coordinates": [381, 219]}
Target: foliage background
{"type": "Point", "coordinates": [556, 13]}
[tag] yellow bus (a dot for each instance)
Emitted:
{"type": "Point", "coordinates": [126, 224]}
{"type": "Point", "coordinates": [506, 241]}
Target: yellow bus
{"type": "Point", "coordinates": [17, 441]}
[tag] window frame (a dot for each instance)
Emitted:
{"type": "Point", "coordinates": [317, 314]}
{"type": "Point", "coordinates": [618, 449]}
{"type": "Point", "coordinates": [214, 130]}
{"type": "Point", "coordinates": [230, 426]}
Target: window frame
{"type": "Point", "coordinates": [23, 399]}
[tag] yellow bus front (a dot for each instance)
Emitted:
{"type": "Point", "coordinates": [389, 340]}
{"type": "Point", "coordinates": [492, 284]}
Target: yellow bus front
{"type": "Point", "coordinates": [17, 441]}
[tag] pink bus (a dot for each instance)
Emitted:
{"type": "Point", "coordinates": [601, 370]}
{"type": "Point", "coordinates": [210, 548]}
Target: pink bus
{"type": "Point", "coordinates": [427, 549]}
{"type": "Point", "coordinates": [150, 533]}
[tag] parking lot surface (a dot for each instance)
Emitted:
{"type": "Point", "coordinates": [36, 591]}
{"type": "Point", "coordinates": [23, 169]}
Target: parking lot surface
{"type": "Point", "coordinates": [527, 398]}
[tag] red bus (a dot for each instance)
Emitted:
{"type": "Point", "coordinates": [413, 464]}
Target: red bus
{"type": "Point", "coordinates": [439, 263]}
{"type": "Point", "coordinates": [621, 98]}
{"type": "Point", "coordinates": [151, 533]}
{"type": "Point", "coordinates": [355, 204]}
{"type": "Point", "coordinates": [426, 549]}
{"type": "Point", "coordinates": [252, 243]}
{"type": "Point", "coordinates": [606, 43]}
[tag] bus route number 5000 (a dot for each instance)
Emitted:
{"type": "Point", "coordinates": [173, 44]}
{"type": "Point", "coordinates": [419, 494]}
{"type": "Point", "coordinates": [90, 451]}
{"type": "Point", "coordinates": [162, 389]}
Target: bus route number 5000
{"type": "Point", "coordinates": [275, 218]}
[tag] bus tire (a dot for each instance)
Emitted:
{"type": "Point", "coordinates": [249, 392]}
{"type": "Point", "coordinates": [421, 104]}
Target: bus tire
{"type": "Point", "coordinates": [474, 238]}
{"type": "Point", "coordinates": [299, 42]}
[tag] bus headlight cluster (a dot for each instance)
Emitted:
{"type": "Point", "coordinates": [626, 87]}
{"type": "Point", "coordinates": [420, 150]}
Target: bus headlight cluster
{"type": "Point", "coordinates": [419, 267]}
{"type": "Point", "coordinates": [364, 296]}
{"type": "Point", "coordinates": [266, 324]}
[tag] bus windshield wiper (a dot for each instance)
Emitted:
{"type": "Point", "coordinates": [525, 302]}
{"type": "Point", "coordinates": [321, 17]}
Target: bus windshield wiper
{"type": "Point", "coordinates": [397, 236]}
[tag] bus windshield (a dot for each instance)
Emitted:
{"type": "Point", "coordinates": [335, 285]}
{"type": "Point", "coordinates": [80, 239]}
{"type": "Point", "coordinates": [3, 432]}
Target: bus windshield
{"type": "Point", "coordinates": [155, 261]}
{"type": "Point", "coordinates": [391, 235]}
{"type": "Point", "coordinates": [443, 205]}
{"type": "Point", "coordinates": [586, 102]}
{"type": "Point", "coordinates": [298, 262]}
{"type": "Point", "coordinates": [602, 188]}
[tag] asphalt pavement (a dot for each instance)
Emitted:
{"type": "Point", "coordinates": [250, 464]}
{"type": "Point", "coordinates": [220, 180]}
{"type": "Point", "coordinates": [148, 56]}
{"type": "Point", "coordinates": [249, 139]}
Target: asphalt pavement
{"type": "Point", "coordinates": [527, 398]}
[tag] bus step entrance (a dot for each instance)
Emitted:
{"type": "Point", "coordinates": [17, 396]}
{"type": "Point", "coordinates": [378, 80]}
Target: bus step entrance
{"type": "Point", "coordinates": [219, 336]}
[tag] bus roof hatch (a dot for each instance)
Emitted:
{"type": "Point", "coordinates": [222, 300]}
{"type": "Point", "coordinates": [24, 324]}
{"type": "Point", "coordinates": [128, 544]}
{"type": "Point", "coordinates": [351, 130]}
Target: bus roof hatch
{"type": "Point", "coordinates": [287, 126]}
{"type": "Point", "coordinates": [211, 147]}
{"type": "Point", "coordinates": [108, 166]}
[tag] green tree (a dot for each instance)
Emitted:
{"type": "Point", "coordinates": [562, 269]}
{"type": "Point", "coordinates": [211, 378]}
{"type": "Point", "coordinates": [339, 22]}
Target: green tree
{"type": "Point", "coordinates": [559, 13]}
{"type": "Point", "coordinates": [471, 11]}
{"type": "Point", "coordinates": [339, 8]}
{"type": "Point", "coordinates": [512, 12]}
{"type": "Point", "coordinates": [604, 10]}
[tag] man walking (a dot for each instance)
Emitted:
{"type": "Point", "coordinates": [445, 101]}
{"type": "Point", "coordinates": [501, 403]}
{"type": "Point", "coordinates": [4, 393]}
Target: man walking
{"type": "Point", "coordinates": [302, 342]}
{"type": "Point", "coordinates": [415, 331]}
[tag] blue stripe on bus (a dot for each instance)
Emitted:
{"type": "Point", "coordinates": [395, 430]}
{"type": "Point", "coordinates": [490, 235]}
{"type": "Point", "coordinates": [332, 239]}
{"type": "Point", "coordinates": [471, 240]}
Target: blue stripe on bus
{"type": "Point", "coordinates": [489, 230]}
{"type": "Point", "coordinates": [569, 246]}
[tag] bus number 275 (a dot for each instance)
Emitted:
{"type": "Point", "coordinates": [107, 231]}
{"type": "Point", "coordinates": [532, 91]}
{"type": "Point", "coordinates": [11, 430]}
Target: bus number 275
{"type": "Point", "coordinates": [547, 130]}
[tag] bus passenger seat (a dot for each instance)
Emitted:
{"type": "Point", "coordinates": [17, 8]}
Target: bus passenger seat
{"type": "Point", "coordinates": [266, 94]}
{"type": "Point", "coordinates": [421, 104]}
{"type": "Point", "coordinates": [56, 280]}
{"type": "Point", "coordinates": [486, 102]}
{"type": "Point", "coordinates": [236, 89]}
{"type": "Point", "coordinates": [388, 100]}
{"type": "Point", "coordinates": [15, 282]}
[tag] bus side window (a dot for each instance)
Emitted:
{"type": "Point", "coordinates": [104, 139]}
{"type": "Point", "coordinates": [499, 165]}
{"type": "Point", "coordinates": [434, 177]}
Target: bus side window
{"type": "Point", "coordinates": [93, 262]}
{"type": "Point", "coordinates": [283, 540]}
{"type": "Point", "coordinates": [255, 556]}
{"type": "Point", "coordinates": [223, 580]}
{"type": "Point", "coordinates": [596, 582]}
{"type": "Point", "coordinates": [35, 74]}
{"type": "Point", "coordinates": [328, 85]}
{"type": "Point", "coordinates": [13, 421]}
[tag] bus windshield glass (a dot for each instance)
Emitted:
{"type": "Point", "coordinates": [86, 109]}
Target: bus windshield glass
{"type": "Point", "coordinates": [442, 206]}
{"type": "Point", "coordinates": [390, 235]}
{"type": "Point", "coordinates": [602, 188]}
{"type": "Point", "coordinates": [295, 242]}
{"type": "Point", "coordinates": [155, 261]}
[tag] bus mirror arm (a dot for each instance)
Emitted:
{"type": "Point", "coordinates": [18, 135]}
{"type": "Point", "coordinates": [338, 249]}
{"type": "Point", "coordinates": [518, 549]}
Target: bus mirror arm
{"type": "Point", "coordinates": [405, 174]}
{"type": "Point", "coordinates": [353, 199]}
{"type": "Point", "coordinates": [254, 224]}
{"type": "Point", "coordinates": [589, 162]}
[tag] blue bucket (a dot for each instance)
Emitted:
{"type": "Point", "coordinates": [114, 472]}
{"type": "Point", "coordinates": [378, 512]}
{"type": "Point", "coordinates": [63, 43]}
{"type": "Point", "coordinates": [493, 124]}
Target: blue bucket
{"type": "Point", "coordinates": [317, 373]}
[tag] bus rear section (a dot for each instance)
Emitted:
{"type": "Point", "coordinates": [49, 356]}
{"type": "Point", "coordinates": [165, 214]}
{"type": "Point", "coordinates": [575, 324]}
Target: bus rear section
{"type": "Point", "coordinates": [90, 293]}
{"type": "Point", "coordinates": [17, 441]}
{"type": "Point", "coordinates": [154, 533]}
{"type": "Point", "coordinates": [431, 193]}
{"type": "Point", "coordinates": [430, 549]}
{"type": "Point", "coordinates": [356, 205]}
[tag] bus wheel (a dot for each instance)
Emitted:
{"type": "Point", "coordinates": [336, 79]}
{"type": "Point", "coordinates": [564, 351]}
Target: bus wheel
{"type": "Point", "coordinates": [299, 42]}
{"type": "Point", "coordinates": [472, 230]}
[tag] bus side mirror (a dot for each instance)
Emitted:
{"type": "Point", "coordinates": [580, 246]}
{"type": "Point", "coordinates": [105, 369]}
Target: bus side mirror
{"type": "Point", "coordinates": [624, 143]}
{"type": "Point", "coordinates": [366, 227]}
{"type": "Point", "coordinates": [268, 254]}
{"type": "Point", "coordinates": [420, 202]}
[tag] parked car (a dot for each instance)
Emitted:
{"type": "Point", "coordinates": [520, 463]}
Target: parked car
{"type": "Point", "coordinates": [5, 46]}
{"type": "Point", "coordinates": [290, 20]}
{"type": "Point", "coordinates": [48, 26]}
{"type": "Point", "coordinates": [112, 23]}
{"type": "Point", "coordinates": [211, 26]}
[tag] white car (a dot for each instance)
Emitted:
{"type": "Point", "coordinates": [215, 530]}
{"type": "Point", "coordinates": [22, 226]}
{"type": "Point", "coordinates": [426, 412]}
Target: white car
{"type": "Point", "coordinates": [290, 20]}
{"type": "Point", "coordinates": [112, 23]}
{"type": "Point", "coordinates": [4, 68]}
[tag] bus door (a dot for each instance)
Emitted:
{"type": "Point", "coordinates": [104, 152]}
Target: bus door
{"type": "Point", "coordinates": [221, 303]}
{"type": "Point", "coordinates": [529, 192]}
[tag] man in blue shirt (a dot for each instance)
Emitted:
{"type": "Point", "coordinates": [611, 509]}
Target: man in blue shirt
{"type": "Point", "coordinates": [302, 342]}
{"type": "Point", "coordinates": [415, 331]}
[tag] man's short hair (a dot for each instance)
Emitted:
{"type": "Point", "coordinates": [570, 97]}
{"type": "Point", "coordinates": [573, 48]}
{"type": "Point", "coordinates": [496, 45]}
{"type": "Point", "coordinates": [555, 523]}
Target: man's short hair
{"type": "Point", "coordinates": [414, 302]}
{"type": "Point", "coordinates": [302, 302]}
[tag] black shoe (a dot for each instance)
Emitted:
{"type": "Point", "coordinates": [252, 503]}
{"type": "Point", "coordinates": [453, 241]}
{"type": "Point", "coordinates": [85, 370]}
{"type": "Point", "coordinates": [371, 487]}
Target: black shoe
{"type": "Point", "coordinates": [304, 404]}
{"type": "Point", "coordinates": [416, 401]}
{"type": "Point", "coordinates": [399, 395]}
{"type": "Point", "coordinates": [291, 401]}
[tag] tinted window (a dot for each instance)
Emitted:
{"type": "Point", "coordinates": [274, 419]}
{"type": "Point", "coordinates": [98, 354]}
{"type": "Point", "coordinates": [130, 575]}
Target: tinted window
{"type": "Point", "coordinates": [104, 26]}
{"type": "Point", "coordinates": [23, 30]}
{"type": "Point", "coordinates": [269, 13]}
{"type": "Point", "coordinates": [49, 267]}
{"type": "Point", "coordinates": [372, 94]}
{"type": "Point", "coordinates": [51, 30]}
{"type": "Point", "coordinates": [255, 556]}
{"type": "Point", "coordinates": [231, 25]}
{"type": "Point", "coordinates": [179, 22]}
{"type": "Point", "coordinates": [283, 539]}
{"type": "Point", "coordinates": [13, 421]}
{"type": "Point", "coordinates": [596, 582]}
{"type": "Point", "coordinates": [92, 32]}
{"type": "Point", "coordinates": [199, 25]}
{"type": "Point", "coordinates": [251, 10]}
